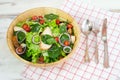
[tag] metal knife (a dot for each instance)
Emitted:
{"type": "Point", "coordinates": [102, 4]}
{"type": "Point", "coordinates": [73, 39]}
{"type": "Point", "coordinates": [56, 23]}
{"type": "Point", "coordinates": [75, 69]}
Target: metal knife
{"type": "Point", "coordinates": [104, 38]}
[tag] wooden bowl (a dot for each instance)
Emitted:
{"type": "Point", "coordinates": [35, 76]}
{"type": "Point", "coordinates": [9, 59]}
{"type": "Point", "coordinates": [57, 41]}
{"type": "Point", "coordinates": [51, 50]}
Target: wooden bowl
{"type": "Point", "coordinates": [42, 11]}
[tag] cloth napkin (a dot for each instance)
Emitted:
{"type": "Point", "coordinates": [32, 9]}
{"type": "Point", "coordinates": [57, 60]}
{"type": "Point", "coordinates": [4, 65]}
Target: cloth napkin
{"type": "Point", "coordinates": [75, 68]}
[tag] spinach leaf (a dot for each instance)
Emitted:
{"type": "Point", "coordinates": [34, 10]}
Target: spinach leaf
{"type": "Point", "coordinates": [51, 16]}
{"type": "Point", "coordinates": [53, 60]}
{"type": "Point", "coordinates": [63, 28]}
{"type": "Point", "coordinates": [15, 33]}
{"type": "Point", "coordinates": [24, 56]}
{"type": "Point", "coordinates": [47, 39]}
{"type": "Point", "coordinates": [35, 27]}
{"type": "Point", "coordinates": [64, 37]}
{"type": "Point", "coordinates": [71, 45]}
{"type": "Point", "coordinates": [20, 36]}
{"type": "Point", "coordinates": [54, 51]}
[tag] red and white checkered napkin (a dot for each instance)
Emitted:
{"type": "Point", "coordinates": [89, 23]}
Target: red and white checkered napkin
{"type": "Point", "coordinates": [75, 68]}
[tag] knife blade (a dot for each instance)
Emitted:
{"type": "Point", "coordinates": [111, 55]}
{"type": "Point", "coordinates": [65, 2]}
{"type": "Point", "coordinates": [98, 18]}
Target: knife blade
{"type": "Point", "coordinates": [104, 38]}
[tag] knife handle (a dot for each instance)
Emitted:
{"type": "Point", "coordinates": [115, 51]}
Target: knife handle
{"type": "Point", "coordinates": [106, 57]}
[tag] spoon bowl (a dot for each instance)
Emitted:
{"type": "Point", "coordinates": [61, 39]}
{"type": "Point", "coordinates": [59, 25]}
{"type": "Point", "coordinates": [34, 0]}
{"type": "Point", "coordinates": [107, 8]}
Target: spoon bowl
{"type": "Point", "coordinates": [86, 27]}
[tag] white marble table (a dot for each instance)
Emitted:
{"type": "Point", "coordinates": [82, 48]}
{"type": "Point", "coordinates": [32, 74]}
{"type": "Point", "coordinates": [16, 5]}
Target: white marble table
{"type": "Point", "coordinates": [10, 67]}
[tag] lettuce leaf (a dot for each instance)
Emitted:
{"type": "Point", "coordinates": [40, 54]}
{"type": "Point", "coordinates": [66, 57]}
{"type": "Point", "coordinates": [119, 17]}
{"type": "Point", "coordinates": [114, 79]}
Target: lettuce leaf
{"type": "Point", "coordinates": [63, 28]}
{"type": "Point", "coordinates": [31, 22]}
{"type": "Point", "coordinates": [33, 49]}
{"type": "Point", "coordinates": [19, 24]}
{"type": "Point", "coordinates": [54, 27]}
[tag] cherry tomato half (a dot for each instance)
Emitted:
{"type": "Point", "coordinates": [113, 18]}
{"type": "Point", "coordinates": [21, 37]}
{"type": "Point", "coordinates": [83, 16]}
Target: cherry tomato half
{"type": "Point", "coordinates": [40, 17]}
{"type": "Point", "coordinates": [34, 17]}
{"type": "Point", "coordinates": [57, 21]}
{"type": "Point", "coordinates": [66, 43]}
{"type": "Point", "coordinates": [57, 39]}
{"type": "Point", "coordinates": [69, 26]}
{"type": "Point", "coordinates": [26, 28]}
{"type": "Point", "coordinates": [41, 59]}
{"type": "Point", "coordinates": [42, 21]}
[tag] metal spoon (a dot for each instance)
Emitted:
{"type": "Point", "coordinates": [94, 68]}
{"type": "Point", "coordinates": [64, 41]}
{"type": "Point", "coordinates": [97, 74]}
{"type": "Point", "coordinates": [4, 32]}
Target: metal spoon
{"type": "Point", "coordinates": [96, 31]}
{"type": "Point", "coordinates": [86, 28]}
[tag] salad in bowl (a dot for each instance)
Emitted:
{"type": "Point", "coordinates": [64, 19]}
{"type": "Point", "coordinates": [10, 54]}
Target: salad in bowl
{"type": "Point", "coordinates": [44, 38]}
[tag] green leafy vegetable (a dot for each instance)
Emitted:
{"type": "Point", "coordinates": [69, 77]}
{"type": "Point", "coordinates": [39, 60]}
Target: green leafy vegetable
{"type": "Point", "coordinates": [67, 49]}
{"type": "Point", "coordinates": [63, 53]}
{"type": "Point", "coordinates": [64, 37]}
{"type": "Point", "coordinates": [29, 37]}
{"type": "Point", "coordinates": [35, 28]}
{"type": "Point", "coordinates": [54, 51]}
{"type": "Point", "coordinates": [51, 16]}
{"type": "Point", "coordinates": [52, 24]}
{"type": "Point", "coordinates": [37, 38]}
{"type": "Point", "coordinates": [44, 53]}
{"type": "Point", "coordinates": [33, 38]}
{"type": "Point", "coordinates": [15, 33]}
{"type": "Point", "coordinates": [56, 32]}
{"type": "Point", "coordinates": [54, 27]}
{"type": "Point", "coordinates": [71, 45]}
{"type": "Point", "coordinates": [31, 23]}
{"type": "Point", "coordinates": [24, 56]}
{"type": "Point", "coordinates": [46, 56]}
{"type": "Point", "coordinates": [46, 59]}
{"type": "Point", "coordinates": [47, 39]}
{"type": "Point", "coordinates": [19, 24]}
{"type": "Point", "coordinates": [33, 49]}
{"type": "Point", "coordinates": [20, 36]}
{"type": "Point", "coordinates": [63, 28]}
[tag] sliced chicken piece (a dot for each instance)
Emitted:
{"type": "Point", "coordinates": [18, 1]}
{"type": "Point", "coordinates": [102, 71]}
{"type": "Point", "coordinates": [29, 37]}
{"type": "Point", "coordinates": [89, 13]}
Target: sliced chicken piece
{"type": "Point", "coordinates": [47, 31]}
{"type": "Point", "coordinates": [73, 39]}
{"type": "Point", "coordinates": [44, 46]}
{"type": "Point", "coordinates": [19, 29]}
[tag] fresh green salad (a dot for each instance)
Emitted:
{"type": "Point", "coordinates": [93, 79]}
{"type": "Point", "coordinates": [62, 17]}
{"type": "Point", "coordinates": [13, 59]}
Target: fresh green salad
{"type": "Point", "coordinates": [43, 39]}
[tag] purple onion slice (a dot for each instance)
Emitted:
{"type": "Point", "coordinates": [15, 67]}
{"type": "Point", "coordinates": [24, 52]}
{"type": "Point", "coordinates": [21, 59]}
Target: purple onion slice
{"type": "Point", "coordinates": [20, 50]}
{"type": "Point", "coordinates": [36, 39]}
{"type": "Point", "coordinates": [61, 36]}
{"type": "Point", "coordinates": [67, 49]}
